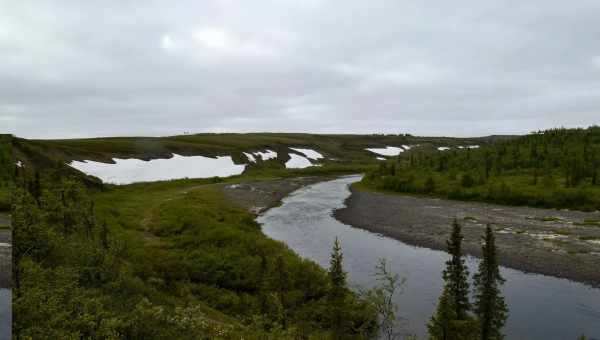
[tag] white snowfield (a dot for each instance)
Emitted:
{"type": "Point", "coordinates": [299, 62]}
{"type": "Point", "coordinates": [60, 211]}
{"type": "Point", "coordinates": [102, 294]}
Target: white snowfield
{"type": "Point", "coordinates": [381, 158]}
{"type": "Point", "coordinates": [127, 171]}
{"type": "Point", "coordinates": [250, 157]}
{"type": "Point", "coordinates": [297, 162]}
{"type": "Point", "coordinates": [387, 151]}
{"type": "Point", "coordinates": [266, 155]}
{"type": "Point", "coordinates": [443, 148]}
{"type": "Point", "coordinates": [309, 153]}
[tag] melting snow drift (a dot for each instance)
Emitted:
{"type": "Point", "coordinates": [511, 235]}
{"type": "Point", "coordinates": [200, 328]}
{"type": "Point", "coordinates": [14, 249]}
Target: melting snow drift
{"type": "Point", "coordinates": [266, 155]}
{"type": "Point", "coordinates": [250, 157]}
{"type": "Point", "coordinates": [127, 171]}
{"type": "Point", "coordinates": [387, 151]}
{"type": "Point", "coordinates": [297, 162]}
{"type": "Point", "coordinates": [309, 153]}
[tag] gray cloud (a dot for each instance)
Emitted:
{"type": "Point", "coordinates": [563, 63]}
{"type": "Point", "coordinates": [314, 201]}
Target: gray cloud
{"type": "Point", "coordinates": [74, 69]}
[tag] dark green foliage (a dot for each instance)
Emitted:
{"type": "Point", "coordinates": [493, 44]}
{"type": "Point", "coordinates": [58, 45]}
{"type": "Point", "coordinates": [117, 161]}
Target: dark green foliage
{"type": "Point", "coordinates": [338, 292]}
{"type": "Point", "coordinates": [452, 320]}
{"type": "Point", "coordinates": [456, 274]}
{"type": "Point", "coordinates": [556, 168]}
{"type": "Point", "coordinates": [489, 305]}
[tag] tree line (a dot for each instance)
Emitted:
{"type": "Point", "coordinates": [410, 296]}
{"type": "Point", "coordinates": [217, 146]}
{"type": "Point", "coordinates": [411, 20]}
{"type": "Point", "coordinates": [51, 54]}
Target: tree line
{"type": "Point", "coordinates": [553, 168]}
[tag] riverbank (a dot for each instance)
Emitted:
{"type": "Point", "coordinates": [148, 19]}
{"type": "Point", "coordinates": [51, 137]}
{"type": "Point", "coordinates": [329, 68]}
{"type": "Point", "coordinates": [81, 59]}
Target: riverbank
{"type": "Point", "coordinates": [5, 251]}
{"type": "Point", "coordinates": [259, 196]}
{"type": "Point", "coordinates": [559, 243]}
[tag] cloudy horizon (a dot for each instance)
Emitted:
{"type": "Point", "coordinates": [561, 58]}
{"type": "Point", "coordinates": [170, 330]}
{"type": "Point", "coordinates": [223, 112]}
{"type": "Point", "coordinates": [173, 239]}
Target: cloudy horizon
{"type": "Point", "coordinates": [466, 68]}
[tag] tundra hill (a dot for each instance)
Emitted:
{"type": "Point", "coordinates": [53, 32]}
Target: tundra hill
{"type": "Point", "coordinates": [343, 149]}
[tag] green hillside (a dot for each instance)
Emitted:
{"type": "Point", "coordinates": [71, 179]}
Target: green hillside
{"type": "Point", "coordinates": [7, 165]}
{"type": "Point", "coordinates": [555, 168]}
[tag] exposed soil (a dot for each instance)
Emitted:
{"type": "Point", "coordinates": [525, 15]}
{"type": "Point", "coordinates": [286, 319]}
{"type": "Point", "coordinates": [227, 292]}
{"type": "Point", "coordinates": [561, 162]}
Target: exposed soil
{"type": "Point", "coordinates": [560, 243]}
{"type": "Point", "coordinates": [258, 196]}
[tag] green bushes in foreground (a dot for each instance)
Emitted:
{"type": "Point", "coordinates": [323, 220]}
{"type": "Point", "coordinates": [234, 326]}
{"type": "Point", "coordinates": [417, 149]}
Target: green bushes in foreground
{"type": "Point", "coordinates": [158, 261]}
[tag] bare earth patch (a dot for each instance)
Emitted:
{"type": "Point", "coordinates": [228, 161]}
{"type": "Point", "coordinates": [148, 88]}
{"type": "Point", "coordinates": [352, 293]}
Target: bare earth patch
{"type": "Point", "coordinates": [560, 243]}
{"type": "Point", "coordinates": [258, 196]}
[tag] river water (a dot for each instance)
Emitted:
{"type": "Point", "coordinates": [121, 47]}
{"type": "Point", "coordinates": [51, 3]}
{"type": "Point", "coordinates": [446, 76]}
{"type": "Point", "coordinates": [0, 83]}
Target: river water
{"type": "Point", "coordinates": [5, 314]}
{"type": "Point", "coordinates": [541, 307]}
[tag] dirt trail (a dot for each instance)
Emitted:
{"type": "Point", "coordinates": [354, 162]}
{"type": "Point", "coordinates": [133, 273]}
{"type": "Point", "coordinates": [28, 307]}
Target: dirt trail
{"type": "Point", "coordinates": [560, 243]}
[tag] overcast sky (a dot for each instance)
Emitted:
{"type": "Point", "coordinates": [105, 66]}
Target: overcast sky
{"type": "Point", "coordinates": [458, 68]}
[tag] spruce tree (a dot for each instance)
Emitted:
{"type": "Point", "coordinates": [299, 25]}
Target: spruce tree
{"type": "Point", "coordinates": [490, 307]}
{"type": "Point", "coordinates": [452, 320]}
{"type": "Point", "coordinates": [338, 291]}
{"type": "Point", "coordinates": [440, 325]}
{"type": "Point", "coordinates": [456, 274]}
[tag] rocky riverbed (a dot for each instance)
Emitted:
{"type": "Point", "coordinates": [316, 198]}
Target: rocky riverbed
{"type": "Point", "coordinates": [560, 243]}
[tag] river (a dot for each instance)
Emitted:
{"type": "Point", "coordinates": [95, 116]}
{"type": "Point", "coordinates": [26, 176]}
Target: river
{"type": "Point", "coordinates": [541, 307]}
{"type": "Point", "coordinates": [5, 314]}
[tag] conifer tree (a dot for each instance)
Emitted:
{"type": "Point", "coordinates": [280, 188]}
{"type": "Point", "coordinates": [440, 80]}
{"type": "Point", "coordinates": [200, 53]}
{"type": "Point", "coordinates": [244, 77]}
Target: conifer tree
{"type": "Point", "coordinates": [452, 320]}
{"type": "Point", "coordinates": [456, 274]}
{"type": "Point", "coordinates": [338, 291]}
{"type": "Point", "coordinates": [489, 307]}
{"type": "Point", "coordinates": [440, 325]}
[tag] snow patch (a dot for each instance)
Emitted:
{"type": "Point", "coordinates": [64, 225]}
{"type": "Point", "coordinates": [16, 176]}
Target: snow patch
{"type": "Point", "coordinates": [250, 157]}
{"type": "Point", "coordinates": [19, 164]}
{"type": "Point", "coordinates": [381, 158]}
{"type": "Point", "coordinates": [266, 155]}
{"type": "Point", "coordinates": [127, 171]}
{"type": "Point", "coordinates": [387, 151]}
{"type": "Point", "coordinates": [297, 162]}
{"type": "Point", "coordinates": [309, 153]}
{"type": "Point", "coordinates": [443, 148]}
